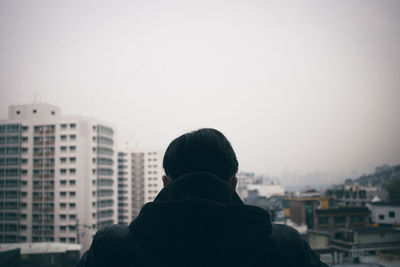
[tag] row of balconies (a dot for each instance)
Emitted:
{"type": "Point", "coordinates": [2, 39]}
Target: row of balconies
{"type": "Point", "coordinates": [41, 187]}
{"type": "Point", "coordinates": [46, 175]}
{"type": "Point", "coordinates": [43, 232]}
{"type": "Point", "coordinates": [41, 143]}
{"type": "Point", "coordinates": [42, 131]}
{"type": "Point", "coordinates": [41, 165]}
{"type": "Point", "coordinates": [41, 154]}
{"type": "Point", "coordinates": [41, 199]}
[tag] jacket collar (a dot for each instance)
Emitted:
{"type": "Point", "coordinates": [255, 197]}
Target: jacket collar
{"type": "Point", "coordinates": [199, 185]}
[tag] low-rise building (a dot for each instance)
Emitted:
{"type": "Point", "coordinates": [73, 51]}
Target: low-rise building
{"type": "Point", "coordinates": [302, 209]}
{"type": "Point", "coordinates": [343, 217]}
{"type": "Point", "coordinates": [385, 213]}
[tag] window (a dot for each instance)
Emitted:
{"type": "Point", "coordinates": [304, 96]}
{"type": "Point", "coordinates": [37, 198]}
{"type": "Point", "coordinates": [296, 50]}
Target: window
{"type": "Point", "coordinates": [63, 137]}
{"type": "Point", "coordinates": [63, 205]}
{"type": "Point", "coordinates": [63, 182]}
{"type": "Point", "coordinates": [63, 171]}
{"type": "Point", "coordinates": [63, 228]}
{"type": "Point", "coordinates": [71, 239]}
{"type": "Point", "coordinates": [72, 126]}
{"type": "Point", "coordinates": [34, 111]}
{"type": "Point", "coordinates": [25, 128]}
{"type": "Point", "coordinates": [72, 194]}
{"type": "Point", "coordinates": [340, 219]}
{"type": "Point", "coordinates": [72, 182]}
{"type": "Point", "coordinates": [63, 239]}
{"type": "Point", "coordinates": [72, 148]}
{"type": "Point", "coordinates": [381, 217]}
{"type": "Point", "coordinates": [71, 227]}
{"type": "Point", "coordinates": [72, 171]}
{"type": "Point", "coordinates": [12, 128]}
{"type": "Point", "coordinates": [53, 112]}
{"type": "Point", "coordinates": [63, 194]}
{"type": "Point", "coordinates": [357, 219]}
{"type": "Point", "coordinates": [72, 205]}
{"type": "Point", "coordinates": [72, 159]}
{"type": "Point", "coordinates": [63, 160]}
{"type": "Point", "coordinates": [63, 148]}
{"type": "Point", "coordinates": [72, 137]}
{"type": "Point", "coordinates": [63, 216]}
{"type": "Point", "coordinates": [72, 216]}
{"type": "Point", "coordinates": [392, 214]}
{"type": "Point", "coordinates": [63, 126]}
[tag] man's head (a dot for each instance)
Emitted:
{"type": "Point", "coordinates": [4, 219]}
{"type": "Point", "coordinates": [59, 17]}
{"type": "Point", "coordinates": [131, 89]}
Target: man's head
{"type": "Point", "coordinates": [204, 150]}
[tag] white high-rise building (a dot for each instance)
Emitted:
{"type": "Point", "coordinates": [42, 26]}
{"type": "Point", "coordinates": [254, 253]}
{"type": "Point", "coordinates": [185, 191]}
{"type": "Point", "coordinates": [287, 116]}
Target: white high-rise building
{"type": "Point", "coordinates": [57, 176]}
{"type": "Point", "coordinates": [139, 181]}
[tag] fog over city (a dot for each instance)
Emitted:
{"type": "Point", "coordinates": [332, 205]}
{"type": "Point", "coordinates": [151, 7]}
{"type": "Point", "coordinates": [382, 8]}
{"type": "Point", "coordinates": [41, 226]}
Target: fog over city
{"type": "Point", "coordinates": [296, 86]}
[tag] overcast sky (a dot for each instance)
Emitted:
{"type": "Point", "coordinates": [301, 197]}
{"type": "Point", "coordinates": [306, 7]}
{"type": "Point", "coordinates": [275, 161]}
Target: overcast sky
{"type": "Point", "coordinates": [296, 86]}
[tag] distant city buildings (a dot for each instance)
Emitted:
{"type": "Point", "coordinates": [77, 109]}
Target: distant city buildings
{"type": "Point", "coordinates": [385, 213]}
{"type": "Point", "coordinates": [139, 181]}
{"type": "Point", "coordinates": [57, 176]}
{"type": "Point", "coordinates": [63, 177]}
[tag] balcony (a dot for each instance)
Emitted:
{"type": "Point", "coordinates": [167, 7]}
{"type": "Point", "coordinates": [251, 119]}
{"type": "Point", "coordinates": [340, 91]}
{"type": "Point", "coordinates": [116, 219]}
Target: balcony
{"type": "Point", "coordinates": [37, 165]}
{"type": "Point", "coordinates": [37, 220]}
{"type": "Point", "coordinates": [49, 187]}
{"type": "Point", "coordinates": [38, 143]}
{"type": "Point", "coordinates": [38, 154]}
{"type": "Point", "coordinates": [48, 221]}
{"type": "Point", "coordinates": [48, 232]}
{"type": "Point", "coordinates": [49, 143]}
{"type": "Point", "coordinates": [49, 154]}
{"type": "Point", "coordinates": [49, 199]}
{"type": "Point", "coordinates": [50, 131]}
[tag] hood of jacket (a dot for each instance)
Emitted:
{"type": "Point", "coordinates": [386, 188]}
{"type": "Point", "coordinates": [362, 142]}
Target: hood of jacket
{"type": "Point", "coordinates": [200, 212]}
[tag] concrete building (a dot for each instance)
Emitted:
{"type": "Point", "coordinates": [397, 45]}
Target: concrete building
{"type": "Point", "coordinates": [301, 210]}
{"type": "Point", "coordinates": [56, 176]}
{"type": "Point", "coordinates": [244, 180]}
{"type": "Point", "coordinates": [343, 217]}
{"type": "Point", "coordinates": [385, 213]}
{"type": "Point", "coordinates": [40, 254]}
{"type": "Point", "coordinates": [363, 241]}
{"type": "Point", "coordinates": [139, 181]}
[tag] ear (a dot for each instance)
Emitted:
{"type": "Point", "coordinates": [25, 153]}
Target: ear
{"type": "Point", "coordinates": [166, 180]}
{"type": "Point", "coordinates": [233, 182]}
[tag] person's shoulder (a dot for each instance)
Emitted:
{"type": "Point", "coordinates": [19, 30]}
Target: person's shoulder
{"type": "Point", "coordinates": [292, 247]}
{"type": "Point", "coordinates": [111, 236]}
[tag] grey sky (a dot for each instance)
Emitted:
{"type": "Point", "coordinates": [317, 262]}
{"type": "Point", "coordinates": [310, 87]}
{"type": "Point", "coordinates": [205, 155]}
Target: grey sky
{"type": "Point", "coordinates": [295, 85]}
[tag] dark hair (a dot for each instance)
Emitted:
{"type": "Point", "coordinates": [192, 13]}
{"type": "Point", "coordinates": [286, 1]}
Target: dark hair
{"type": "Point", "coordinates": [204, 150]}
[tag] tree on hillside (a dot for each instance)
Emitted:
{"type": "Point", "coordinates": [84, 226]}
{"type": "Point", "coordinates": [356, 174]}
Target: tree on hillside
{"type": "Point", "coordinates": [393, 187]}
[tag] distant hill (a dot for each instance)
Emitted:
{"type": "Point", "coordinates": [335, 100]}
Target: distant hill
{"type": "Point", "coordinates": [381, 177]}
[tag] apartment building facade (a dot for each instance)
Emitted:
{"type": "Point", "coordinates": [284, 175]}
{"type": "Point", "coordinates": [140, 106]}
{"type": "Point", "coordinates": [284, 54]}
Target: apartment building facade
{"type": "Point", "coordinates": [57, 176]}
{"type": "Point", "coordinates": [139, 181]}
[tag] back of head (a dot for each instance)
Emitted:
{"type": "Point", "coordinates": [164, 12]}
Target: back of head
{"type": "Point", "coordinates": [204, 150]}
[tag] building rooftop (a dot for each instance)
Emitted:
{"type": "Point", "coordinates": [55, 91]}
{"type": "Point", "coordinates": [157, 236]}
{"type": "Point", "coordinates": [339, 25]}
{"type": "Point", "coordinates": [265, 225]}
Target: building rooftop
{"type": "Point", "coordinates": [385, 203]}
{"type": "Point", "coordinates": [342, 210]}
{"type": "Point", "coordinates": [41, 247]}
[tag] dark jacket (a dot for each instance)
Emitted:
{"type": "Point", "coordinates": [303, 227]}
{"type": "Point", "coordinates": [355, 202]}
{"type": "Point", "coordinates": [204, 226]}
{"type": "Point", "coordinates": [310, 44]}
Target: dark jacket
{"type": "Point", "coordinates": [198, 220]}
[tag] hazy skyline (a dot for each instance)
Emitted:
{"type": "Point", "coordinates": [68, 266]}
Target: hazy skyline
{"type": "Point", "coordinates": [297, 86]}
